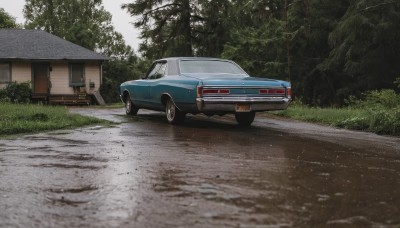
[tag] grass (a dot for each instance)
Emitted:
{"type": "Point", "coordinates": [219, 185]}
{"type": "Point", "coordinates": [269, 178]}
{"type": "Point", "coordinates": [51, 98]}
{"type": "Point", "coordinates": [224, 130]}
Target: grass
{"type": "Point", "coordinates": [31, 118]}
{"type": "Point", "coordinates": [372, 119]}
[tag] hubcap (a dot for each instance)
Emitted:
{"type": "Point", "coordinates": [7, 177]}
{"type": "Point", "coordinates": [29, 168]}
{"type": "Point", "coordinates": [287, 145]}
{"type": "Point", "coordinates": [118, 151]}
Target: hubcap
{"type": "Point", "coordinates": [170, 110]}
{"type": "Point", "coordinates": [128, 106]}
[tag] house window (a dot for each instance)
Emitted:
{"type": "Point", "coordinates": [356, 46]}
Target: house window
{"type": "Point", "coordinates": [5, 72]}
{"type": "Point", "coordinates": [77, 74]}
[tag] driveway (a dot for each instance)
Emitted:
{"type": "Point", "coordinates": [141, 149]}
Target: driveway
{"type": "Point", "coordinates": [208, 172]}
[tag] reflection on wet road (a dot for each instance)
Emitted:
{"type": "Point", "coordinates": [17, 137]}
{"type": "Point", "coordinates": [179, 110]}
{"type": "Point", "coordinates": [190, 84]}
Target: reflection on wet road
{"type": "Point", "coordinates": [206, 173]}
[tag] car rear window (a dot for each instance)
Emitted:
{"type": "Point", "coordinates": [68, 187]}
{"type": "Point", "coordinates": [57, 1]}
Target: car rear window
{"type": "Point", "coordinates": [209, 67]}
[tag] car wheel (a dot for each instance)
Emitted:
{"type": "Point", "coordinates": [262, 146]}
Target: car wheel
{"type": "Point", "coordinates": [245, 118]}
{"type": "Point", "coordinates": [130, 108]}
{"type": "Point", "coordinates": [174, 115]}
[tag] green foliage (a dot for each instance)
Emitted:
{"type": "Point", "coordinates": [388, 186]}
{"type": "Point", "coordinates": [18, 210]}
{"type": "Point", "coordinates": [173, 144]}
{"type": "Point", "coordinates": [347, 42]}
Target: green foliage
{"type": "Point", "coordinates": [383, 111]}
{"type": "Point", "coordinates": [119, 71]}
{"type": "Point", "coordinates": [383, 99]}
{"type": "Point", "coordinates": [16, 92]}
{"type": "Point", "coordinates": [260, 51]}
{"type": "Point", "coordinates": [83, 22]}
{"type": "Point", "coordinates": [3, 96]}
{"type": "Point", "coordinates": [28, 118]}
{"type": "Point", "coordinates": [365, 45]}
{"type": "Point", "coordinates": [259, 38]}
{"type": "Point", "coordinates": [181, 27]}
{"type": "Point", "coordinates": [166, 26]}
{"type": "Point", "coordinates": [377, 111]}
{"type": "Point", "coordinates": [6, 21]}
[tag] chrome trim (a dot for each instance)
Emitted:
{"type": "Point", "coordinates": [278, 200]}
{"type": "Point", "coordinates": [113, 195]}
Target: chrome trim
{"type": "Point", "coordinates": [243, 87]}
{"type": "Point", "coordinates": [228, 104]}
{"type": "Point", "coordinates": [239, 99]}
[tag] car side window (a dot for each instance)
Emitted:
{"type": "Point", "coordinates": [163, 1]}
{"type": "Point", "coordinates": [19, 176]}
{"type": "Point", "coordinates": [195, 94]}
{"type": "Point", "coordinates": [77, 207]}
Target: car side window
{"type": "Point", "coordinates": [153, 71]}
{"type": "Point", "coordinates": [161, 71]}
{"type": "Point", "coordinates": [158, 71]}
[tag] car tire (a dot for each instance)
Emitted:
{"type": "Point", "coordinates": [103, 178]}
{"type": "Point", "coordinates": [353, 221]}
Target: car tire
{"type": "Point", "coordinates": [245, 118]}
{"type": "Point", "coordinates": [173, 114]}
{"type": "Point", "coordinates": [130, 108]}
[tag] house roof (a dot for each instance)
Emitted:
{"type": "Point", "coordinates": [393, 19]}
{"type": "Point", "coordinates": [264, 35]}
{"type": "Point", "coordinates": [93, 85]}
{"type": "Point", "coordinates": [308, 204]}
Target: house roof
{"type": "Point", "coordinates": [24, 44]}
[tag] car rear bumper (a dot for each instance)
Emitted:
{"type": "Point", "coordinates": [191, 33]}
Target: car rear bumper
{"type": "Point", "coordinates": [229, 104]}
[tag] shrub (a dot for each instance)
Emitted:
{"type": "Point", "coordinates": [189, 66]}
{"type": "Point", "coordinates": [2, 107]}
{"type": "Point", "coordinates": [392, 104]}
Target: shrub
{"type": "Point", "coordinates": [376, 111]}
{"type": "Point", "coordinates": [384, 99]}
{"type": "Point", "coordinates": [355, 123]}
{"type": "Point", "coordinates": [16, 92]}
{"type": "Point", "coordinates": [3, 96]}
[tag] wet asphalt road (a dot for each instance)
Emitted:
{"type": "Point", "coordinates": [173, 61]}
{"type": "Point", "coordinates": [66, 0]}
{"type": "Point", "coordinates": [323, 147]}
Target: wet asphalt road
{"type": "Point", "coordinates": [206, 173]}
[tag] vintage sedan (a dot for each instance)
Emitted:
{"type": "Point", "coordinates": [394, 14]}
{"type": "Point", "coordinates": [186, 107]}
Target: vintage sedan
{"type": "Point", "coordinates": [203, 85]}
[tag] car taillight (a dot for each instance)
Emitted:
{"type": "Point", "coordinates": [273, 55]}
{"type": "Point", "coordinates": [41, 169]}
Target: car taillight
{"type": "Point", "coordinates": [199, 91]}
{"type": "Point", "coordinates": [273, 91]}
{"type": "Point", "coordinates": [216, 91]}
{"type": "Point", "coordinates": [289, 92]}
{"type": "Point", "coordinates": [203, 91]}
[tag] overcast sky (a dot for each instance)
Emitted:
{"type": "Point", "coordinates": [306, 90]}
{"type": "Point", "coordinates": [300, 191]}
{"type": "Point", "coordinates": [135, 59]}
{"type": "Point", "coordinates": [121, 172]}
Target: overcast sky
{"type": "Point", "coordinates": [121, 19]}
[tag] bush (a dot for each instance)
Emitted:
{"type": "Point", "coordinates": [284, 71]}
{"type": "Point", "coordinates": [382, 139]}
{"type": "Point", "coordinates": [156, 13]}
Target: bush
{"type": "Point", "coordinates": [3, 96]}
{"type": "Point", "coordinates": [355, 123]}
{"type": "Point", "coordinates": [377, 111]}
{"type": "Point", "coordinates": [16, 92]}
{"type": "Point", "coordinates": [384, 99]}
{"type": "Point", "coordinates": [385, 122]}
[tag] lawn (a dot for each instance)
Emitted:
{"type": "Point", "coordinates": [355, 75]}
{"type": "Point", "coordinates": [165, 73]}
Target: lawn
{"type": "Point", "coordinates": [31, 118]}
{"type": "Point", "coordinates": [384, 121]}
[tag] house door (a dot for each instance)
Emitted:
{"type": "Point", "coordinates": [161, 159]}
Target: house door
{"type": "Point", "coordinates": [41, 78]}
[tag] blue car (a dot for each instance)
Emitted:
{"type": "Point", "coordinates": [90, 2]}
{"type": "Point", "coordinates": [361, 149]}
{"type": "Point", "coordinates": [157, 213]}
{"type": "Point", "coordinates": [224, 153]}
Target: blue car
{"type": "Point", "coordinates": [203, 85]}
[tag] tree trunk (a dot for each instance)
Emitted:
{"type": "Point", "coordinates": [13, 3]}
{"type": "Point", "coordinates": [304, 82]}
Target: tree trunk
{"type": "Point", "coordinates": [186, 29]}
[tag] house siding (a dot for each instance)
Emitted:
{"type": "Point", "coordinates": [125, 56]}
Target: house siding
{"type": "Point", "coordinates": [59, 76]}
{"type": "Point", "coordinates": [92, 75]}
{"type": "Point", "coordinates": [20, 72]}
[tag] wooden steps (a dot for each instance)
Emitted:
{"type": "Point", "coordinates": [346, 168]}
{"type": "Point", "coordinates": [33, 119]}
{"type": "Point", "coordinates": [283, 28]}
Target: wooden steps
{"type": "Point", "coordinates": [76, 99]}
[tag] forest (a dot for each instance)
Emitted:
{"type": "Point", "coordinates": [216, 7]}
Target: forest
{"type": "Point", "coordinates": [329, 50]}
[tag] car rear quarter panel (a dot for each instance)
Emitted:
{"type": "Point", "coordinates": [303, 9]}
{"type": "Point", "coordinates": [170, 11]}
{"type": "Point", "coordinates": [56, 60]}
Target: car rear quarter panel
{"type": "Point", "coordinates": [182, 90]}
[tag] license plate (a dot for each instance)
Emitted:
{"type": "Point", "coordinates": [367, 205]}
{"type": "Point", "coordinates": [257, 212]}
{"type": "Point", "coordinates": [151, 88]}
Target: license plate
{"type": "Point", "coordinates": [243, 108]}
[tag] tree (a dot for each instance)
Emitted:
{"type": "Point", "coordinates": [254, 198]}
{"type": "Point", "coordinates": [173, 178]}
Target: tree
{"type": "Point", "coordinates": [365, 45]}
{"type": "Point", "coordinates": [260, 51]}
{"type": "Point", "coordinates": [120, 70]}
{"type": "Point", "coordinates": [257, 38]}
{"type": "Point", "coordinates": [83, 22]}
{"type": "Point", "coordinates": [309, 23]}
{"type": "Point", "coordinates": [166, 26]}
{"type": "Point", "coordinates": [211, 27]}
{"type": "Point", "coordinates": [181, 27]}
{"type": "Point", "coordinates": [6, 21]}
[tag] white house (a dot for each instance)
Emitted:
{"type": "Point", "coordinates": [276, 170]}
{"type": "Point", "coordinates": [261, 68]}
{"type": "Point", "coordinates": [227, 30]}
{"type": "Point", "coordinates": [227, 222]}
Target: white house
{"type": "Point", "coordinates": [58, 70]}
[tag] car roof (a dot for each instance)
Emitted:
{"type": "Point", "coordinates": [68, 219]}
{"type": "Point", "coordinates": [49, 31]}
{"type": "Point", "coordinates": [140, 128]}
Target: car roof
{"type": "Point", "coordinates": [173, 62]}
{"type": "Point", "coordinates": [190, 58]}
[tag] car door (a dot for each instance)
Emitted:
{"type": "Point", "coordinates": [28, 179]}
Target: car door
{"type": "Point", "coordinates": [141, 92]}
{"type": "Point", "coordinates": [156, 86]}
